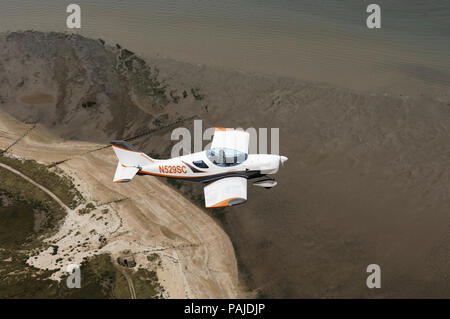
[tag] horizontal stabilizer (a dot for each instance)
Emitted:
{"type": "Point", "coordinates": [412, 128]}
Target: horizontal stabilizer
{"type": "Point", "coordinates": [128, 155]}
{"type": "Point", "coordinates": [124, 174]}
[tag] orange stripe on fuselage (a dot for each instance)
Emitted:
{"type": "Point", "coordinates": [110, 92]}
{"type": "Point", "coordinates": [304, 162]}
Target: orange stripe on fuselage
{"type": "Point", "coordinates": [165, 175]}
{"type": "Point", "coordinates": [113, 145]}
{"type": "Point", "coordinates": [148, 158]}
{"type": "Point", "coordinates": [187, 177]}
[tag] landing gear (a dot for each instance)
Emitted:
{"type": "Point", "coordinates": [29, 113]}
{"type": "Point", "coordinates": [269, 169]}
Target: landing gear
{"type": "Point", "coordinates": [267, 183]}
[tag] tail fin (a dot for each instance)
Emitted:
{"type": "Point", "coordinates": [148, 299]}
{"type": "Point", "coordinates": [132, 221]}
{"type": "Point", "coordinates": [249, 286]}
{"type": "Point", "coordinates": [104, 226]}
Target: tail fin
{"type": "Point", "coordinates": [130, 161]}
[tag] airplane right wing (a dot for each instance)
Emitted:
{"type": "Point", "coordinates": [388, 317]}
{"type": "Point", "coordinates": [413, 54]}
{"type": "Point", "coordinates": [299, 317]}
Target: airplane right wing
{"type": "Point", "coordinates": [228, 191]}
{"type": "Point", "coordinates": [230, 138]}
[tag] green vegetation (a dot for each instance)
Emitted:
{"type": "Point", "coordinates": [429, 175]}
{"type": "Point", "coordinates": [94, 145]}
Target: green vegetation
{"type": "Point", "coordinates": [146, 284]}
{"type": "Point", "coordinates": [156, 122]}
{"type": "Point", "coordinates": [87, 209]}
{"type": "Point", "coordinates": [55, 249]}
{"type": "Point", "coordinates": [99, 279]}
{"type": "Point", "coordinates": [125, 54]}
{"type": "Point", "coordinates": [22, 207]}
{"type": "Point", "coordinates": [18, 280]}
{"type": "Point", "coordinates": [26, 214]}
{"type": "Point", "coordinates": [153, 257]}
{"type": "Point", "coordinates": [144, 78]}
{"type": "Point", "coordinates": [162, 119]}
{"type": "Point", "coordinates": [18, 217]}
{"type": "Point", "coordinates": [62, 186]}
{"type": "Point", "coordinates": [102, 278]}
{"type": "Point", "coordinates": [88, 104]}
{"type": "Point", "coordinates": [196, 94]}
{"type": "Point", "coordinates": [175, 98]}
{"type": "Point", "coordinates": [32, 207]}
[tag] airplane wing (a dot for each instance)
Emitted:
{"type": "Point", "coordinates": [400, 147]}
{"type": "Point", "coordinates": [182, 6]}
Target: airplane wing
{"type": "Point", "coordinates": [228, 191]}
{"type": "Point", "coordinates": [230, 138]}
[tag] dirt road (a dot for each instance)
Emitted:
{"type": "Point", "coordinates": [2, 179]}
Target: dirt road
{"type": "Point", "coordinates": [46, 190]}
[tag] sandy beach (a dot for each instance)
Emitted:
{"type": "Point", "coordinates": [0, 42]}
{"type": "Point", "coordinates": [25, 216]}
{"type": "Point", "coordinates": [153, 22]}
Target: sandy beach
{"type": "Point", "coordinates": [197, 256]}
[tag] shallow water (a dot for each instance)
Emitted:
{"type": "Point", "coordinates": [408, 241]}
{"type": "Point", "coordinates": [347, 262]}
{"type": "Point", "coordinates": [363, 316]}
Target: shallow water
{"type": "Point", "coordinates": [317, 40]}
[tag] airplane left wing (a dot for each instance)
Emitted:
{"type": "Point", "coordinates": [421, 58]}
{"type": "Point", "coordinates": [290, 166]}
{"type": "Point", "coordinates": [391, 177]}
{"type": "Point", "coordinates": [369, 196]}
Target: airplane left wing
{"type": "Point", "coordinates": [228, 191]}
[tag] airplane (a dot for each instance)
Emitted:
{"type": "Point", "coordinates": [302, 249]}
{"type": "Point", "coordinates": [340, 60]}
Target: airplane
{"type": "Point", "coordinates": [224, 168]}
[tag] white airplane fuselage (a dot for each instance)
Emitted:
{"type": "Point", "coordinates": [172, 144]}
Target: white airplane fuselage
{"type": "Point", "coordinates": [223, 169]}
{"type": "Point", "coordinates": [199, 167]}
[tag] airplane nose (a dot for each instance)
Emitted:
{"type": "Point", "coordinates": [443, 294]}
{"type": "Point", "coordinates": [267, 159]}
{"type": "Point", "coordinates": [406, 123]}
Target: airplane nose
{"type": "Point", "coordinates": [283, 159]}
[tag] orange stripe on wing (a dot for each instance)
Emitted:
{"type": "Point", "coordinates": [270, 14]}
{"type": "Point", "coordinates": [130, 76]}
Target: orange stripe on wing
{"type": "Point", "coordinates": [166, 175]}
{"type": "Point", "coordinates": [224, 129]}
{"type": "Point", "coordinates": [224, 203]}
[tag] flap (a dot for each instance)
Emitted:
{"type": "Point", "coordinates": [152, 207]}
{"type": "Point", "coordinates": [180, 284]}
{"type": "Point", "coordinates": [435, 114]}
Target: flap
{"type": "Point", "coordinates": [225, 192]}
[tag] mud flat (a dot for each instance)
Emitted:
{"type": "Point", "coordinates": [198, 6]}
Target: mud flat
{"type": "Point", "coordinates": [366, 182]}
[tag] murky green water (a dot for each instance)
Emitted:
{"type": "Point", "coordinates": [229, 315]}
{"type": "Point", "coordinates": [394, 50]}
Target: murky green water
{"type": "Point", "coordinates": [319, 40]}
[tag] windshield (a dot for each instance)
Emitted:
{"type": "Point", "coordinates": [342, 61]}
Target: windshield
{"type": "Point", "coordinates": [226, 156]}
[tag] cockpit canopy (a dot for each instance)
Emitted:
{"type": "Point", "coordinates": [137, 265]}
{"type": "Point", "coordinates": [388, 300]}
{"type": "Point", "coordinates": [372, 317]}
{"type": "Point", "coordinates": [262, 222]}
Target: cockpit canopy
{"type": "Point", "coordinates": [226, 156]}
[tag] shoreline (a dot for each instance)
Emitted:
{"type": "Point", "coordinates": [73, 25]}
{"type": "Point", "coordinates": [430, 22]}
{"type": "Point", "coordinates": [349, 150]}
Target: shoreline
{"type": "Point", "coordinates": [398, 83]}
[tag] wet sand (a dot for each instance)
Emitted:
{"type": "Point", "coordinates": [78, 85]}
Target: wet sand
{"type": "Point", "coordinates": [366, 182]}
